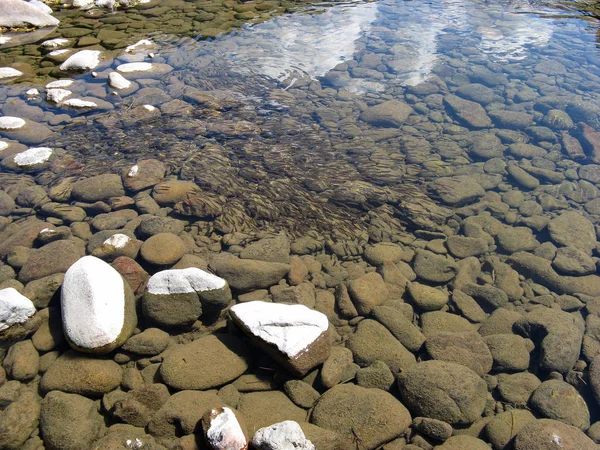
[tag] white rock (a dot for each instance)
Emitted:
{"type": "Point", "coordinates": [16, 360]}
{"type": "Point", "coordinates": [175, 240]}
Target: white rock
{"type": "Point", "coordinates": [183, 281]}
{"type": "Point", "coordinates": [59, 52]}
{"type": "Point", "coordinates": [286, 435]}
{"type": "Point", "coordinates": [117, 240]}
{"type": "Point", "coordinates": [60, 84]}
{"type": "Point", "coordinates": [135, 67]}
{"type": "Point", "coordinates": [17, 13]}
{"type": "Point", "coordinates": [149, 107]}
{"type": "Point", "coordinates": [41, 6]}
{"type": "Point", "coordinates": [4, 39]}
{"type": "Point", "coordinates": [57, 95]}
{"type": "Point", "coordinates": [11, 123]}
{"type": "Point", "coordinates": [118, 81]}
{"type": "Point", "coordinates": [143, 44]}
{"type": "Point", "coordinates": [14, 308]}
{"type": "Point", "coordinates": [291, 328]}
{"type": "Point", "coordinates": [224, 431]}
{"type": "Point", "coordinates": [83, 4]}
{"type": "Point", "coordinates": [54, 43]}
{"type": "Point", "coordinates": [93, 303]}
{"type": "Point", "coordinates": [9, 72]}
{"type": "Point", "coordinates": [78, 103]}
{"type": "Point", "coordinates": [33, 156]}
{"type": "Point", "coordinates": [33, 92]}
{"type": "Point", "coordinates": [133, 171]}
{"type": "Point", "coordinates": [82, 60]}
{"type": "Point", "coordinates": [3, 145]}
{"type": "Point", "coordinates": [109, 4]}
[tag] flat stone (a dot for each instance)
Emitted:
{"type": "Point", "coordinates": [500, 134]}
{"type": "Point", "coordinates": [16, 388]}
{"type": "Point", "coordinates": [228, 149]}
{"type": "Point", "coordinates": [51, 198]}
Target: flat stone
{"type": "Point", "coordinates": [435, 268]}
{"type": "Point", "coordinates": [467, 111]}
{"type": "Point", "coordinates": [392, 113]}
{"type": "Point", "coordinates": [572, 261]}
{"type": "Point", "coordinates": [457, 191]}
{"type": "Point", "coordinates": [82, 61]}
{"type": "Point", "coordinates": [98, 188]}
{"type": "Point", "coordinates": [571, 229]}
{"type": "Point", "coordinates": [247, 274]}
{"type": "Point", "coordinates": [294, 335]}
{"type": "Point", "coordinates": [98, 307]}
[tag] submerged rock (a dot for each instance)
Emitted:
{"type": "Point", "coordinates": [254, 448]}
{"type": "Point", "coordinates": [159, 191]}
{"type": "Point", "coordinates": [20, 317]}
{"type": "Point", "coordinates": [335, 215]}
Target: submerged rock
{"type": "Point", "coordinates": [294, 335]}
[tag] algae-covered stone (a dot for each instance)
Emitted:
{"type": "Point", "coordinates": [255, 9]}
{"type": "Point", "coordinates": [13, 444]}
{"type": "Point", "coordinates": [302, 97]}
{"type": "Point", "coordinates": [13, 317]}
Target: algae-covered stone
{"type": "Point", "coordinates": [19, 419]}
{"type": "Point", "coordinates": [55, 257]}
{"type": "Point", "coordinates": [467, 349]}
{"type": "Point", "coordinates": [248, 274]}
{"type": "Point", "coordinates": [205, 363]}
{"type": "Point", "coordinates": [558, 400]}
{"type": "Point", "coordinates": [548, 434]}
{"type": "Point", "coordinates": [98, 307]}
{"type": "Point", "coordinates": [505, 426]}
{"type": "Point", "coordinates": [369, 416]}
{"type": "Point", "coordinates": [368, 292]}
{"type": "Point", "coordinates": [444, 391]}
{"type": "Point", "coordinates": [392, 113]}
{"type": "Point", "coordinates": [98, 188]}
{"type": "Point", "coordinates": [163, 249]}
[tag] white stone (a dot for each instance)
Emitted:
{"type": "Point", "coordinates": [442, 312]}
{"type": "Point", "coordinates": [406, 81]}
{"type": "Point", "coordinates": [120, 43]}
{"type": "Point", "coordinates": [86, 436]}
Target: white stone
{"type": "Point", "coordinates": [82, 60]}
{"type": "Point", "coordinates": [9, 72]}
{"type": "Point", "coordinates": [3, 145]}
{"type": "Point", "coordinates": [4, 39]}
{"type": "Point", "coordinates": [59, 84]}
{"type": "Point", "coordinates": [14, 308]}
{"type": "Point", "coordinates": [225, 432]}
{"type": "Point", "coordinates": [118, 81]}
{"type": "Point", "coordinates": [109, 4]}
{"type": "Point", "coordinates": [135, 67]}
{"type": "Point", "coordinates": [53, 43]}
{"type": "Point", "coordinates": [149, 107]}
{"type": "Point", "coordinates": [59, 52]}
{"type": "Point", "coordinates": [33, 156]}
{"type": "Point", "coordinates": [33, 92]}
{"type": "Point", "coordinates": [183, 281]}
{"type": "Point", "coordinates": [286, 435]}
{"type": "Point", "coordinates": [78, 103]}
{"type": "Point", "coordinates": [291, 328]}
{"type": "Point", "coordinates": [41, 6]}
{"type": "Point", "coordinates": [83, 4]}
{"type": "Point", "coordinates": [93, 303]}
{"type": "Point", "coordinates": [17, 13]}
{"type": "Point", "coordinates": [144, 43]}
{"type": "Point", "coordinates": [133, 171]}
{"type": "Point", "coordinates": [57, 95]}
{"type": "Point", "coordinates": [11, 123]}
{"type": "Point", "coordinates": [117, 240]}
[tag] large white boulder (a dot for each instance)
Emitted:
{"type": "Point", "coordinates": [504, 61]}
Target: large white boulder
{"type": "Point", "coordinates": [286, 435]}
{"type": "Point", "coordinates": [9, 72]}
{"type": "Point", "coordinates": [178, 297]}
{"type": "Point", "coordinates": [82, 60]}
{"type": "Point", "coordinates": [17, 13]}
{"type": "Point", "coordinates": [14, 308]}
{"type": "Point", "coordinates": [294, 335]}
{"type": "Point", "coordinates": [223, 431]}
{"type": "Point", "coordinates": [98, 307]}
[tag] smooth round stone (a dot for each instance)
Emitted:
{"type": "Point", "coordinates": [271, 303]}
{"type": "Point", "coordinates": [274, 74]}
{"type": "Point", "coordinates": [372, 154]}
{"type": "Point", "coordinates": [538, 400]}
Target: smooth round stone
{"type": "Point", "coordinates": [57, 95]}
{"type": "Point", "coordinates": [11, 123]}
{"type": "Point", "coordinates": [14, 308]}
{"type": "Point", "coordinates": [556, 399]}
{"type": "Point", "coordinates": [163, 249]}
{"type": "Point", "coordinates": [59, 84]}
{"type": "Point", "coordinates": [98, 307]}
{"type": "Point", "coordinates": [79, 103]}
{"type": "Point", "coordinates": [287, 434]}
{"type": "Point", "coordinates": [135, 67]}
{"type": "Point", "coordinates": [548, 434]}
{"type": "Point", "coordinates": [118, 81]}
{"type": "Point", "coordinates": [82, 61]}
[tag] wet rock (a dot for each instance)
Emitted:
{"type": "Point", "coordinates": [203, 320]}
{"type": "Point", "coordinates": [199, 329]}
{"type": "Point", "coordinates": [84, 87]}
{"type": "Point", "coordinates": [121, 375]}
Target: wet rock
{"type": "Point", "coordinates": [511, 119]}
{"type": "Point", "coordinates": [204, 363]}
{"type": "Point", "coordinates": [571, 229]}
{"type": "Point", "coordinates": [467, 349]}
{"type": "Point", "coordinates": [132, 273]}
{"type": "Point", "coordinates": [30, 133]}
{"type": "Point", "coordinates": [173, 191]}
{"type": "Point", "coordinates": [16, 14]}
{"type": "Point", "coordinates": [119, 434]}
{"type": "Point", "coordinates": [139, 405]}
{"type": "Point", "coordinates": [545, 434]}
{"type": "Point", "coordinates": [247, 274]}
{"type": "Point", "coordinates": [540, 270]}
{"type": "Point", "coordinates": [572, 147]}
{"type": "Point", "coordinates": [509, 351]}
{"type": "Point", "coordinates": [426, 297]}
{"type": "Point", "coordinates": [572, 261]}
{"type": "Point", "coordinates": [560, 335]}
{"type": "Point", "coordinates": [377, 254]}
{"type": "Point", "coordinates": [52, 258]}
{"type": "Point", "coordinates": [486, 146]}
{"type": "Point", "coordinates": [377, 376]}
{"type": "Point", "coordinates": [7, 204]}
{"type": "Point", "coordinates": [69, 422]}
{"type": "Point", "coordinates": [82, 61]}
{"type": "Point", "coordinates": [295, 336]}
{"type": "Point", "coordinates": [223, 430]}
{"type": "Point", "coordinates": [370, 416]}
{"type": "Point", "coordinates": [116, 246]}
{"type": "Point", "coordinates": [517, 388]}
{"type": "Point", "coordinates": [18, 420]}
{"type": "Point", "coordinates": [444, 391]}
{"type": "Point", "coordinates": [435, 268]}
{"type": "Point", "coordinates": [146, 173]}
{"type": "Point", "coordinates": [463, 247]}
{"type": "Point", "coordinates": [505, 426]}
{"type": "Point", "coordinates": [22, 362]}
{"type": "Point", "coordinates": [335, 365]}
{"type": "Point", "coordinates": [467, 111]}
{"type": "Point", "coordinates": [178, 297]}
{"type": "Point", "coordinates": [15, 308]}
{"type": "Point", "coordinates": [522, 178]}
{"type": "Point", "coordinates": [457, 191]}
{"type": "Point", "coordinates": [434, 322]}
{"type": "Point", "coordinates": [468, 307]}
{"type": "Point", "coordinates": [98, 188]}
{"type": "Point", "coordinates": [461, 442]}
{"type": "Point", "coordinates": [98, 307]}
{"type": "Point", "coordinates": [261, 409]}
{"type": "Point", "coordinates": [400, 326]}
{"type": "Point", "coordinates": [478, 93]}
{"type": "Point", "coordinates": [389, 350]}
{"type": "Point", "coordinates": [555, 399]}
{"type": "Point", "coordinates": [163, 249]}
{"type": "Point", "coordinates": [487, 295]}
{"type": "Point", "coordinates": [81, 374]}
{"type": "Point", "coordinates": [368, 292]}
{"type": "Point", "coordinates": [435, 429]}
{"type": "Point", "coordinates": [591, 142]}
{"type": "Point", "coordinates": [113, 220]}
{"type": "Point", "coordinates": [149, 342]}
{"type": "Point", "coordinates": [281, 436]}
{"type": "Point", "coordinates": [273, 249]}
{"type": "Point", "coordinates": [517, 239]}
{"type": "Point", "coordinates": [392, 113]}
{"type": "Point", "coordinates": [301, 393]}
{"type": "Point", "coordinates": [64, 212]}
